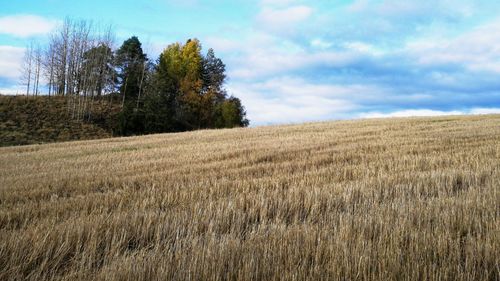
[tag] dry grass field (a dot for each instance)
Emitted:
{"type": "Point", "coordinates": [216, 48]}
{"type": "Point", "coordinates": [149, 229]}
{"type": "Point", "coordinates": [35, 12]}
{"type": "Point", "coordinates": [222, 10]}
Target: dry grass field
{"type": "Point", "coordinates": [395, 199]}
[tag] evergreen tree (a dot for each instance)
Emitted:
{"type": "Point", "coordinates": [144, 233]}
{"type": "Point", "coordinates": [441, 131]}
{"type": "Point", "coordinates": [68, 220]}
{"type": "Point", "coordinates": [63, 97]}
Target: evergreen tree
{"type": "Point", "coordinates": [162, 100]}
{"type": "Point", "coordinates": [131, 62]}
{"type": "Point", "coordinates": [214, 76]}
{"type": "Point", "coordinates": [213, 72]}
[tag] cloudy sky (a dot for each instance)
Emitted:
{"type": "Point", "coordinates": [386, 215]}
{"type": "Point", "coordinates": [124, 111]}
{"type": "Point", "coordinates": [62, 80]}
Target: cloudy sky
{"type": "Point", "coordinates": [294, 61]}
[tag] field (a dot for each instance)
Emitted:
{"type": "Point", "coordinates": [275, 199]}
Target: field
{"type": "Point", "coordinates": [393, 199]}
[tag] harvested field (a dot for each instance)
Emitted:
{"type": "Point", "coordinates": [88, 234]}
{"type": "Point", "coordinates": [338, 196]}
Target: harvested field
{"type": "Point", "coordinates": [388, 199]}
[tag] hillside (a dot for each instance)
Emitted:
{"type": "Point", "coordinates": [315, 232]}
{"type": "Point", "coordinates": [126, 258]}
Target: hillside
{"type": "Point", "coordinates": [31, 120]}
{"type": "Point", "coordinates": [393, 199]}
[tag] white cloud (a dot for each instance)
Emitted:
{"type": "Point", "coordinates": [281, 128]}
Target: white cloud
{"type": "Point", "coordinates": [26, 25]}
{"type": "Point", "coordinates": [265, 63]}
{"type": "Point", "coordinates": [427, 8]}
{"type": "Point", "coordinates": [429, 112]}
{"type": "Point", "coordinates": [220, 44]}
{"type": "Point", "coordinates": [478, 111]}
{"type": "Point", "coordinates": [14, 90]}
{"type": "Point", "coordinates": [282, 19]}
{"type": "Point", "coordinates": [409, 113]}
{"type": "Point", "coordinates": [294, 100]}
{"type": "Point", "coordinates": [10, 61]}
{"type": "Point", "coordinates": [358, 6]}
{"type": "Point", "coordinates": [321, 44]}
{"type": "Point", "coordinates": [477, 50]}
{"type": "Point", "coordinates": [184, 3]}
{"type": "Point", "coordinates": [361, 47]}
{"type": "Point", "coordinates": [276, 2]}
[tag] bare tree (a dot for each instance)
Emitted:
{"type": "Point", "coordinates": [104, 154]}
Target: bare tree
{"type": "Point", "coordinates": [27, 67]}
{"type": "Point", "coordinates": [141, 83]}
{"type": "Point", "coordinates": [37, 56]}
{"type": "Point", "coordinates": [77, 63]}
{"type": "Point", "coordinates": [62, 49]}
{"type": "Point", "coordinates": [48, 65]}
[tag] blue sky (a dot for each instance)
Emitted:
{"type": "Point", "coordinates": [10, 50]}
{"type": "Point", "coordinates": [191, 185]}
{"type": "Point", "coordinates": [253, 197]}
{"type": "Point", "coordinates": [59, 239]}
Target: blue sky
{"type": "Point", "coordinates": [294, 61]}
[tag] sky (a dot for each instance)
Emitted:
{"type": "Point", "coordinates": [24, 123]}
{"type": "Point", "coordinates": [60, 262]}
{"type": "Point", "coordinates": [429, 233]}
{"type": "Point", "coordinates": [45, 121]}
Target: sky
{"type": "Point", "coordinates": [293, 61]}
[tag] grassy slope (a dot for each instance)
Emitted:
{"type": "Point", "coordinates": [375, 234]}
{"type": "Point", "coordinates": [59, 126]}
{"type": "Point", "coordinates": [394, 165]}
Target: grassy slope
{"type": "Point", "coordinates": [30, 120]}
{"type": "Point", "coordinates": [390, 199]}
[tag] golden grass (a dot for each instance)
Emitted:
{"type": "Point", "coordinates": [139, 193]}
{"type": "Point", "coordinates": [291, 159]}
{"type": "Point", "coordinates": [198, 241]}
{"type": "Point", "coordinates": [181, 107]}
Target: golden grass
{"type": "Point", "coordinates": [395, 199]}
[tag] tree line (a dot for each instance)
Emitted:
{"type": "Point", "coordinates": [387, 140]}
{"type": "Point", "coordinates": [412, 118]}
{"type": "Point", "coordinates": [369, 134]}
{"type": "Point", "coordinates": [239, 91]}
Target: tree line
{"type": "Point", "coordinates": [183, 89]}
